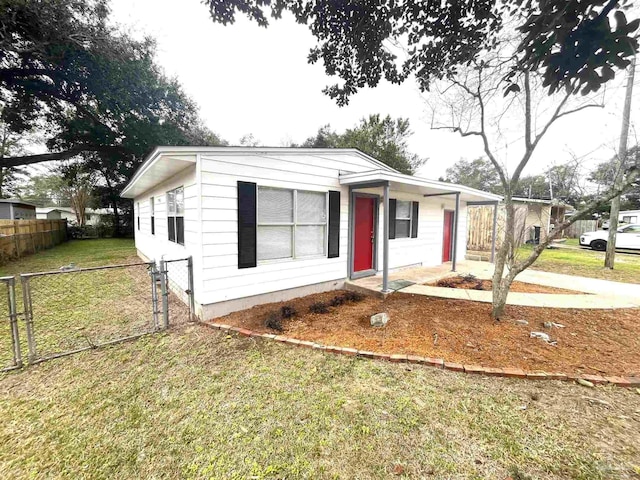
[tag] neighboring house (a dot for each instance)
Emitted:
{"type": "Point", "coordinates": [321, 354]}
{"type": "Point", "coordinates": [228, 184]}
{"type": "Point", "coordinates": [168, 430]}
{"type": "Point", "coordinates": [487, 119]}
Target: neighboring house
{"type": "Point", "coordinates": [534, 219]}
{"type": "Point", "coordinates": [270, 224]}
{"type": "Point", "coordinates": [16, 209]}
{"type": "Point", "coordinates": [629, 216]}
{"type": "Point", "coordinates": [92, 216]}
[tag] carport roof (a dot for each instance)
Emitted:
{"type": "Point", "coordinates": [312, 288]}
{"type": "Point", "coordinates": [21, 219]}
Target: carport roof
{"type": "Point", "coordinates": [417, 185]}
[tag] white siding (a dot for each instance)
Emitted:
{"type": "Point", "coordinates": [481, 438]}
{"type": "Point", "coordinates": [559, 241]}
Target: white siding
{"type": "Point", "coordinates": [222, 280]}
{"type": "Point", "coordinates": [211, 229]}
{"type": "Point", "coordinates": [426, 248]}
{"type": "Point", "coordinates": [157, 246]}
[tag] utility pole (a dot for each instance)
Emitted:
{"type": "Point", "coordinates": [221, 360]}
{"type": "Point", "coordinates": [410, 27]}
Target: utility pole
{"type": "Point", "coordinates": [610, 257]}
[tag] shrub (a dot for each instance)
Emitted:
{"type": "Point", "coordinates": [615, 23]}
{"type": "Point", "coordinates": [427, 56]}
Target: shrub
{"type": "Point", "coordinates": [337, 301]}
{"type": "Point", "coordinates": [274, 322]}
{"type": "Point", "coordinates": [319, 307]}
{"type": "Point", "coordinates": [288, 311]}
{"type": "Point", "coordinates": [354, 297]}
{"type": "Point", "coordinates": [446, 282]}
{"type": "Point", "coordinates": [469, 277]}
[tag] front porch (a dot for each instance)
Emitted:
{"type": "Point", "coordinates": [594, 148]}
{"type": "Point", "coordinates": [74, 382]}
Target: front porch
{"type": "Point", "coordinates": [398, 222]}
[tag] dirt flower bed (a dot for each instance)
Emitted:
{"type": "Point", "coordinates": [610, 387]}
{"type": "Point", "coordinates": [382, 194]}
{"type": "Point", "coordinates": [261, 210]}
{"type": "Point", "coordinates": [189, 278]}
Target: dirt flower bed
{"type": "Point", "coordinates": [472, 283]}
{"type": "Point", "coordinates": [592, 341]}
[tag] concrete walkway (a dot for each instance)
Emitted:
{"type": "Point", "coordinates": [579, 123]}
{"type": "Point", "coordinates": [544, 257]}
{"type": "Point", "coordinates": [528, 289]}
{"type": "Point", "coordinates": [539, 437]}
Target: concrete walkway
{"type": "Point", "coordinates": [601, 293]}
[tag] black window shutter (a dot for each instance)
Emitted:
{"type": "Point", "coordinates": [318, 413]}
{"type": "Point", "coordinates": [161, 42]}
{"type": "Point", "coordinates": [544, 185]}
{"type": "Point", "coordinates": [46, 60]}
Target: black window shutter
{"type": "Point", "coordinates": [392, 218]}
{"type": "Point", "coordinates": [171, 228]}
{"type": "Point", "coordinates": [247, 224]}
{"type": "Point", "coordinates": [180, 230]}
{"type": "Point", "coordinates": [414, 220]}
{"type": "Point", "coordinates": [334, 224]}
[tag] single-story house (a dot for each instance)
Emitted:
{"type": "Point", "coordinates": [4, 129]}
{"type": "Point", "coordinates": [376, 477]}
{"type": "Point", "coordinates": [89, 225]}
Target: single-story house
{"type": "Point", "coordinates": [16, 209]}
{"type": "Point", "coordinates": [270, 224]}
{"type": "Point", "coordinates": [629, 216]}
{"type": "Point", "coordinates": [92, 216]}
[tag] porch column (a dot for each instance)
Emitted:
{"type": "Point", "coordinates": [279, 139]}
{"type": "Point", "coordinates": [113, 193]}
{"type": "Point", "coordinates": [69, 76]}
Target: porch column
{"type": "Point", "coordinates": [493, 233]}
{"type": "Point", "coordinates": [385, 240]}
{"type": "Point", "coordinates": [456, 215]}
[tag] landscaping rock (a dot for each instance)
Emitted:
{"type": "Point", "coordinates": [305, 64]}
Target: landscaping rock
{"type": "Point", "coordinates": [379, 319]}
{"type": "Point", "coordinates": [541, 335]}
{"type": "Point", "coordinates": [553, 325]}
{"type": "Point", "coordinates": [585, 383]}
{"type": "Point", "coordinates": [521, 322]}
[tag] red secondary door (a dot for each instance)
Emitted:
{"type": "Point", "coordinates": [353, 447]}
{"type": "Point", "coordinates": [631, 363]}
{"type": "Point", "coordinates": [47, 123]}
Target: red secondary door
{"type": "Point", "coordinates": [447, 235]}
{"type": "Point", "coordinates": [363, 234]}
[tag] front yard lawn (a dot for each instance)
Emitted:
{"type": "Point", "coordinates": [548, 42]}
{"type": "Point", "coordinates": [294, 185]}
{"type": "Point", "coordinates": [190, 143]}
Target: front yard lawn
{"type": "Point", "coordinates": [587, 263]}
{"type": "Point", "coordinates": [195, 403]}
{"type": "Point", "coordinates": [79, 309]}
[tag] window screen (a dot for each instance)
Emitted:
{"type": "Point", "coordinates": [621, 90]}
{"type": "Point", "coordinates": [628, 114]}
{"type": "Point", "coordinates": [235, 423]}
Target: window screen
{"type": "Point", "coordinates": [403, 219]}
{"type": "Point", "coordinates": [291, 223]}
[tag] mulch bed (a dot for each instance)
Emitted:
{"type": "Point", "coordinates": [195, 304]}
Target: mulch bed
{"type": "Point", "coordinates": [520, 287]}
{"type": "Point", "coordinates": [593, 341]}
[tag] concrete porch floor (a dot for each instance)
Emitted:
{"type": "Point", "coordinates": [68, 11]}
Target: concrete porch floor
{"type": "Point", "coordinates": [417, 275]}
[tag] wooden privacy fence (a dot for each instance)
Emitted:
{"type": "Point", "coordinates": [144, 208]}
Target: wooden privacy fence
{"type": "Point", "coordinates": [480, 227]}
{"type": "Point", "coordinates": [581, 226]}
{"type": "Point", "coordinates": [22, 237]}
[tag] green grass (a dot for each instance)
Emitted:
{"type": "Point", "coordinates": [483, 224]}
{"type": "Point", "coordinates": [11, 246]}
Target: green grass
{"type": "Point", "coordinates": [195, 403]}
{"type": "Point", "coordinates": [79, 309]}
{"type": "Point", "coordinates": [84, 253]}
{"type": "Point", "coordinates": [587, 263]}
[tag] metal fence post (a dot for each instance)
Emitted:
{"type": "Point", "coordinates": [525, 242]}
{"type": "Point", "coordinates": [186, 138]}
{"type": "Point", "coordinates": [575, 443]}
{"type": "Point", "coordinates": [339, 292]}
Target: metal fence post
{"type": "Point", "coordinates": [28, 316]}
{"type": "Point", "coordinates": [192, 302]}
{"type": "Point", "coordinates": [165, 293]}
{"type": "Point", "coordinates": [154, 294]}
{"type": "Point", "coordinates": [13, 318]}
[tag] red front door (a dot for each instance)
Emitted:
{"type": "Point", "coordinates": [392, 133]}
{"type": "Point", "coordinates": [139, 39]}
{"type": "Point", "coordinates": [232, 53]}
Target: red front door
{"type": "Point", "coordinates": [364, 234]}
{"type": "Point", "coordinates": [448, 233]}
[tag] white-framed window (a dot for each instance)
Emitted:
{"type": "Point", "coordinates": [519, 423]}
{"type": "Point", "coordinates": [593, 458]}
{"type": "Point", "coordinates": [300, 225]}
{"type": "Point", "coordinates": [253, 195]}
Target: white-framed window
{"type": "Point", "coordinates": [291, 223]}
{"type": "Point", "coordinates": [175, 215]}
{"type": "Point", "coordinates": [403, 219]}
{"type": "Point", "coordinates": [152, 209]}
{"type": "Point", "coordinates": [629, 219]}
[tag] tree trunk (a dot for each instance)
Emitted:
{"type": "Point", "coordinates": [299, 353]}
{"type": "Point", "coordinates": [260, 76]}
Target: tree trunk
{"type": "Point", "coordinates": [500, 282]}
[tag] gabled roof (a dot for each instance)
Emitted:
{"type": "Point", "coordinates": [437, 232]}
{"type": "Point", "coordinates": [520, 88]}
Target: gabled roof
{"type": "Point", "coordinates": [16, 201]}
{"type": "Point", "coordinates": [164, 162]}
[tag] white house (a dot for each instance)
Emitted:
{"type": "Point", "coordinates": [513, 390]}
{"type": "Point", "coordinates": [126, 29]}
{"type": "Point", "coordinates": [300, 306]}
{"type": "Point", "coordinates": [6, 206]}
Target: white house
{"type": "Point", "coordinates": [629, 216]}
{"type": "Point", "coordinates": [270, 224]}
{"type": "Point", "coordinates": [92, 216]}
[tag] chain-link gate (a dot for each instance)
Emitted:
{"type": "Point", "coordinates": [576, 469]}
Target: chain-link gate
{"type": "Point", "coordinates": [74, 309]}
{"type": "Point", "coordinates": [177, 295]}
{"type": "Point", "coordinates": [10, 352]}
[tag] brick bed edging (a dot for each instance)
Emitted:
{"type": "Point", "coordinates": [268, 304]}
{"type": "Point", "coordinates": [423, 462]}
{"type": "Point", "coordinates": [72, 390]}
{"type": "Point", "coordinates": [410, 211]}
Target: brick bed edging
{"type": "Point", "coordinates": [627, 382]}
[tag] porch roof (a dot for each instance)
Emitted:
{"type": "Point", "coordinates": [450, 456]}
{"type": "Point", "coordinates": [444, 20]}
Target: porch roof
{"type": "Point", "coordinates": [411, 184]}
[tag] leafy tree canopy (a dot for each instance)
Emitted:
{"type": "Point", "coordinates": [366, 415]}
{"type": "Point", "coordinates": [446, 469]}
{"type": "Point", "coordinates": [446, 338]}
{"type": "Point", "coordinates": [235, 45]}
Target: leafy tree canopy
{"type": "Point", "coordinates": [573, 43]}
{"type": "Point", "coordinates": [478, 173]}
{"type": "Point", "coordinates": [604, 175]}
{"type": "Point", "coordinates": [385, 139]}
{"type": "Point", "coordinates": [93, 89]}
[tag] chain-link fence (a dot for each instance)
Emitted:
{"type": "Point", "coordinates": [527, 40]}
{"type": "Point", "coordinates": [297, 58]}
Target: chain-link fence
{"type": "Point", "coordinates": [10, 353]}
{"type": "Point", "coordinates": [179, 305]}
{"type": "Point", "coordinates": [51, 314]}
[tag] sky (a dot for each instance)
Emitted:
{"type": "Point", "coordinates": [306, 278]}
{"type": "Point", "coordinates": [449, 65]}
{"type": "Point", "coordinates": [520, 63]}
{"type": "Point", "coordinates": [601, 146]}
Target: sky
{"type": "Point", "coordinates": [248, 79]}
